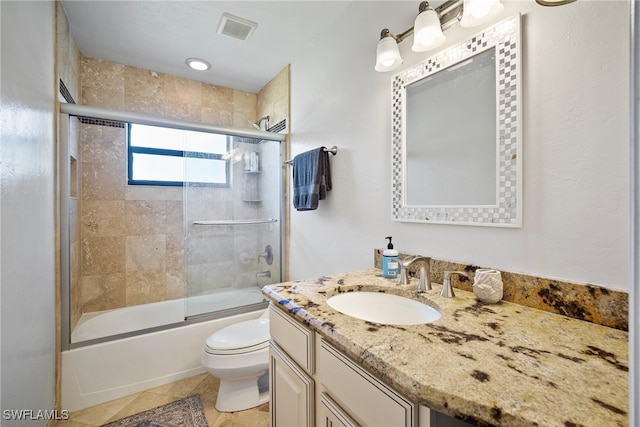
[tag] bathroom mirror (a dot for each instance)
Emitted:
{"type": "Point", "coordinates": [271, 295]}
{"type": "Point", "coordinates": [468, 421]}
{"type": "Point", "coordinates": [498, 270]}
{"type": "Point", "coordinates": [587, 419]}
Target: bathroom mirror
{"type": "Point", "coordinates": [457, 145]}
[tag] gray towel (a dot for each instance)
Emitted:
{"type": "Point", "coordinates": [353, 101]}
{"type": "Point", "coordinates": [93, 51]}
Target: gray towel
{"type": "Point", "coordinates": [311, 178]}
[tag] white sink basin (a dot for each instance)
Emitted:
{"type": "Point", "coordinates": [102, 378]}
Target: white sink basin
{"type": "Point", "coordinates": [388, 309]}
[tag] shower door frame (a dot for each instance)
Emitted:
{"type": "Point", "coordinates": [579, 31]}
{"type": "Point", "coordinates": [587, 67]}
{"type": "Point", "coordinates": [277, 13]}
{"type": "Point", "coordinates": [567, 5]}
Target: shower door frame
{"type": "Point", "coordinates": [67, 111]}
{"type": "Point", "coordinates": [634, 279]}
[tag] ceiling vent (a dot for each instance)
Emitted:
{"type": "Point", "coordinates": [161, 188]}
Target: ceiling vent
{"type": "Point", "coordinates": [236, 27]}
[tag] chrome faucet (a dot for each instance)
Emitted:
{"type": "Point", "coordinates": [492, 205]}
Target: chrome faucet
{"type": "Point", "coordinates": [447, 289]}
{"type": "Point", "coordinates": [424, 281]}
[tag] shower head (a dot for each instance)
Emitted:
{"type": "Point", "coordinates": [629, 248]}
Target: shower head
{"type": "Point", "coordinates": [261, 124]}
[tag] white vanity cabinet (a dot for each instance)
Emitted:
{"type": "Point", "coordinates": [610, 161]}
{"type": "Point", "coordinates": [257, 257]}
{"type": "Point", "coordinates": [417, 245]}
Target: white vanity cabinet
{"type": "Point", "coordinates": [291, 388]}
{"type": "Point", "coordinates": [313, 383]}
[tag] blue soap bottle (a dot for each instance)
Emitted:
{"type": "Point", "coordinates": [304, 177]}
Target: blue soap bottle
{"type": "Point", "coordinates": [390, 264]}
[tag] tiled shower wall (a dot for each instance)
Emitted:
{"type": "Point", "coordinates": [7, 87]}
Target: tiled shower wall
{"type": "Point", "coordinates": [273, 98]}
{"type": "Point", "coordinates": [132, 237]}
{"type": "Point", "coordinates": [120, 87]}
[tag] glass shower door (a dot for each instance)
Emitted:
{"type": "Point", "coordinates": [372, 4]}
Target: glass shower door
{"type": "Point", "coordinates": [233, 230]}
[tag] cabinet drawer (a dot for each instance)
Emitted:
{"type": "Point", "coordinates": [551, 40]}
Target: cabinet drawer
{"type": "Point", "coordinates": [365, 398]}
{"type": "Point", "coordinates": [294, 338]}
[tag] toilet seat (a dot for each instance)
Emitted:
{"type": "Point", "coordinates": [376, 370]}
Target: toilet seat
{"type": "Point", "coordinates": [243, 337]}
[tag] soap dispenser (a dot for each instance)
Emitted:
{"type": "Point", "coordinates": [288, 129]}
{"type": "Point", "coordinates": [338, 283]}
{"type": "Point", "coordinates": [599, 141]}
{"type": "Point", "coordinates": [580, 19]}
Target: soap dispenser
{"type": "Point", "coordinates": [390, 263]}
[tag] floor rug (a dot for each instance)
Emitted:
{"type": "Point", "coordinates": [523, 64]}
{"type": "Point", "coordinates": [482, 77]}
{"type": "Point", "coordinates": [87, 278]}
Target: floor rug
{"type": "Point", "coordinates": [185, 412]}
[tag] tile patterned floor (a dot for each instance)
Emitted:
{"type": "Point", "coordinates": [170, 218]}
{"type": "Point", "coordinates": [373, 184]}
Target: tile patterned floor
{"type": "Point", "coordinates": [203, 384]}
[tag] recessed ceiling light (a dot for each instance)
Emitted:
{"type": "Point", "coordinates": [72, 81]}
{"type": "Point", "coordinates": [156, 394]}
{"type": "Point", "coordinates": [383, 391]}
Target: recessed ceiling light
{"type": "Point", "coordinates": [197, 64]}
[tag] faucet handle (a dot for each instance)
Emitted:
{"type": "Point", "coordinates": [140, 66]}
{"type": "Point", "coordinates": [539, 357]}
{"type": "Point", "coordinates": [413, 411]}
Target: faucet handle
{"type": "Point", "coordinates": [403, 277]}
{"type": "Point", "coordinates": [447, 289]}
{"type": "Point", "coordinates": [424, 282]}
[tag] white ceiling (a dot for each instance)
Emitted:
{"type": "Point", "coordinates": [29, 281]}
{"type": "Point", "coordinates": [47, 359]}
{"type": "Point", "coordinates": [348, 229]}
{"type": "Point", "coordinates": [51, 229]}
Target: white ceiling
{"type": "Point", "coordinates": [160, 35]}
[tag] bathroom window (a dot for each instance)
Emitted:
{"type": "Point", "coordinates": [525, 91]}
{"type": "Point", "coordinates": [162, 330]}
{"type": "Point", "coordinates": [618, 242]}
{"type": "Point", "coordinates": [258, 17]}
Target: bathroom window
{"type": "Point", "coordinates": [166, 156]}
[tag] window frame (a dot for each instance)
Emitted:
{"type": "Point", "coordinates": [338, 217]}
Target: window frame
{"type": "Point", "coordinates": [131, 150]}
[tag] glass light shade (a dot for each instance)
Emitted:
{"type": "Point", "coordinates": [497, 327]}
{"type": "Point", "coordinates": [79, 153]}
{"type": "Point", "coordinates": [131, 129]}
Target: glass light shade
{"type": "Point", "coordinates": [477, 12]}
{"type": "Point", "coordinates": [427, 32]}
{"type": "Point", "coordinates": [387, 55]}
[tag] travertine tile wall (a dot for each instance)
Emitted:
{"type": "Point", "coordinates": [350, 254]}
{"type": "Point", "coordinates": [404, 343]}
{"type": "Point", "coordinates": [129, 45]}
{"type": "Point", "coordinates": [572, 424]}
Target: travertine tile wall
{"type": "Point", "coordinates": [133, 236]}
{"type": "Point", "coordinates": [68, 55]}
{"type": "Point", "coordinates": [273, 98]}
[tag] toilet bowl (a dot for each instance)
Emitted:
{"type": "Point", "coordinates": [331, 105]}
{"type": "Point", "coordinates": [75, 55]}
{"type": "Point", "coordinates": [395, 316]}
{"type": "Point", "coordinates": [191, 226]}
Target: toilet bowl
{"type": "Point", "coordinates": [239, 356]}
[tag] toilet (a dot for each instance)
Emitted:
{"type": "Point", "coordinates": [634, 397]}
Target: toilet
{"type": "Point", "coordinates": [239, 356]}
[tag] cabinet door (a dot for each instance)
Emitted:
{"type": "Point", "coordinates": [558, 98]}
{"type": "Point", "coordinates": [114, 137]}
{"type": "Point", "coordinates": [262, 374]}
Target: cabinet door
{"type": "Point", "coordinates": [291, 392]}
{"type": "Point", "coordinates": [367, 400]}
{"type": "Point", "coordinates": [331, 415]}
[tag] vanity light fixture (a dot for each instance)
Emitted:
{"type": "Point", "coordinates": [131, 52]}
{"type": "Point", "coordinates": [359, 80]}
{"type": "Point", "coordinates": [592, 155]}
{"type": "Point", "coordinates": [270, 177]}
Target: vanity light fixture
{"type": "Point", "coordinates": [429, 25]}
{"type": "Point", "coordinates": [197, 64]}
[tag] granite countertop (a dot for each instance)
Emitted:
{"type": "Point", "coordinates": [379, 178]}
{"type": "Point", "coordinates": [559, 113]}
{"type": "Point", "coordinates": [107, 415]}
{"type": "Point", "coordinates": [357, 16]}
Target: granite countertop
{"type": "Point", "coordinates": [490, 364]}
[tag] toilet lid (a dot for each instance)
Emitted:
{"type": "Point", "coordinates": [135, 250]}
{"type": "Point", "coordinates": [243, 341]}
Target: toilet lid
{"type": "Point", "coordinates": [250, 335]}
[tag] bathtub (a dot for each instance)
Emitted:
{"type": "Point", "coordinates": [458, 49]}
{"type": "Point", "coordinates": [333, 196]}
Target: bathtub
{"type": "Point", "coordinates": [122, 320]}
{"type": "Point", "coordinates": [97, 373]}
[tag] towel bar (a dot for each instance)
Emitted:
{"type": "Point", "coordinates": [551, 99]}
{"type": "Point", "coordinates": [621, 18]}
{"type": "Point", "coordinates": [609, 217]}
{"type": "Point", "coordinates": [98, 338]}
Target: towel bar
{"type": "Point", "coordinates": [235, 221]}
{"type": "Point", "coordinates": [333, 150]}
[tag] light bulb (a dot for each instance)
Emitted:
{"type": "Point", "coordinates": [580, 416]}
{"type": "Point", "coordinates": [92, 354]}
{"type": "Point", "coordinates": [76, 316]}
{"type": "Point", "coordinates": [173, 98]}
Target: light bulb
{"type": "Point", "coordinates": [426, 37]}
{"type": "Point", "coordinates": [427, 32]}
{"type": "Point", "coordinates": [477, 12]}
{"type": "Point", "coordinates": [479, 9]}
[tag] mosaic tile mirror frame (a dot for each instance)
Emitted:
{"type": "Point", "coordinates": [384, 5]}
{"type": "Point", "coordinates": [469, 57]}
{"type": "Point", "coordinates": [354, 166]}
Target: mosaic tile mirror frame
{"type": "Point", "coordinates": [505, 209]}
